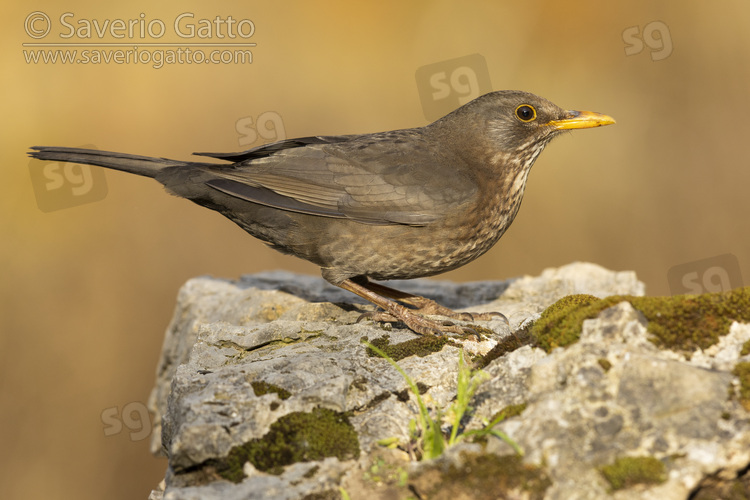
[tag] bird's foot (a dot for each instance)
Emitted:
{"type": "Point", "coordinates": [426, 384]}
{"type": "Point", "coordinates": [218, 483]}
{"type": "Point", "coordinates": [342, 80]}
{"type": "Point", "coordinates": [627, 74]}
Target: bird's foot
{"type": "Point", "coordinates": [420, 324]}
{"type": "Point", "coordinates": [428, 307]}
{"type": "Point", "coordinates": [425, 316]}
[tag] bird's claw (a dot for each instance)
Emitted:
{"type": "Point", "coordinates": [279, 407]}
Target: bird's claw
{"type": "Point", "coordinates": [422, 325]}
{"type": "Point", "coordinates": [491, 316]}
{"type": "Point", "coordinates": [428, 307]}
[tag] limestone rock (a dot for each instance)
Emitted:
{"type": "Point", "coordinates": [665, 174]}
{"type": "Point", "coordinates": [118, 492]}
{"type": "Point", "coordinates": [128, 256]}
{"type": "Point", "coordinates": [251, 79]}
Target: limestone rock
{"type": "Point", "coordinates": [243, 359]}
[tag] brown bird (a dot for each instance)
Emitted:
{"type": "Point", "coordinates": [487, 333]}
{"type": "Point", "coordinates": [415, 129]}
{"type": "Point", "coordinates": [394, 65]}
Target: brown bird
{"type": "Point", "coordinates": [392, 205]}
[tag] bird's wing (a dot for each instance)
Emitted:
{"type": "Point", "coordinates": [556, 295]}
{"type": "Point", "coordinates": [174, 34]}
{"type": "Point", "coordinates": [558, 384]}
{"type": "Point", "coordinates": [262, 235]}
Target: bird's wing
{"type": "Point", "coordinates": [274, 147]}
{"type": "Point", "coordinates": [390, 178]}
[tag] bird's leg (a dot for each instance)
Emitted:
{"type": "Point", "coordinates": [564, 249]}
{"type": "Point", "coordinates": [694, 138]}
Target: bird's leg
{"type": "Point", "coordinates": [397, 312]}
{"type": "Point", "coordinates": [427, 306]}
{"type": "Point", "coordinates": [416, 320]}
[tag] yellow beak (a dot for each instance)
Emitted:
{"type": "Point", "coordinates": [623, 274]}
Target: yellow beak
{"type": "Point", "coordinates": [581, 119]}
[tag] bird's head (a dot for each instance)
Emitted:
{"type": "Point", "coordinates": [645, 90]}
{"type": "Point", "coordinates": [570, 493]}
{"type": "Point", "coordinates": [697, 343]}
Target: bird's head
{"type": "Point", "coordinates": [515, 125]}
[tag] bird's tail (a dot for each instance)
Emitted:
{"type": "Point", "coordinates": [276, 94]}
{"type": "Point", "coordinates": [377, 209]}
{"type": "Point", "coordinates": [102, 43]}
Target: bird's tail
{"type": "Point", "coordinates": [141, 165]}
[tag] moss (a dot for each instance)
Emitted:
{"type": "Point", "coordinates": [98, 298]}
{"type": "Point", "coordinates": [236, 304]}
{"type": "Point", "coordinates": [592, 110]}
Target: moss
{"type": "Point", "coordinates": [505, 345]}
{"type": "Point", "coordinates": [508, 412]}
{"type": "Point", "coordinates": [604, 363]}
{"type": "Point", "coordinates": [478, 331]}
{"type": "Point", "coordinates": [687, 322]}
{"type": "Point", "coordinates": [296, 437]}
{"type": "Point", "coordinates": [403, 395]}
{"type": "Point", "coordinates": [745, 349]}
{"type": "Point", "coordinates": [481, 477]}
{"type": "Point", "coordinates": [420, 346]}
{"type": "Point", "coordinates": [742, 370]}
{"type": "Point", "coordinates": [560, 324]}
{"type": "Point", "coordinates": [630, 471]}
{"type": "Point", "coordinates": [311, 472]}
{"type": "Point", "coordinates": [323, 495]}
{"type": "Point", "coordinates": [260, 388]}
{"type": "Point", "coordinates": [682, 322]}
{"type": "Point", "coordinates": [375, 401]}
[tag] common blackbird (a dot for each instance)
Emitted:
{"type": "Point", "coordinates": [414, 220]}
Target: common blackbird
{"type": "Point", "coordinates": [391, 205]}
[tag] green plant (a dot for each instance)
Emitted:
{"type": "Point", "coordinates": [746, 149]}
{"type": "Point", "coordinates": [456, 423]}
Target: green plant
{"type": "Point", "coordinates": [425, 430]}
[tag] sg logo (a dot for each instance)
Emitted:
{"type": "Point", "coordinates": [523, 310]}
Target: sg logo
{"type": "Point", "coordinates": [64, 185]}
{"type": "Point", "coordinates": [135, 416]}
{"type": "Point", "coordinates": [655, 35]}
{"type": "Point", "coordinates": [269, 126]}
{"type": "Point", "coordinates": [716, 274]}
{"type": "Point", "coordinates": [446, 85]}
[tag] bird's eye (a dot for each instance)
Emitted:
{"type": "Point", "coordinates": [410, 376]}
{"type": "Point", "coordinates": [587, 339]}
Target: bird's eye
{"type": "Point", "coordinates": [525, 113]}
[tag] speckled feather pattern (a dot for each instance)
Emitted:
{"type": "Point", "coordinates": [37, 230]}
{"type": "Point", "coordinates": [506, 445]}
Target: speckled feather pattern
{"type": "Point", "coordinates": [399, 204]}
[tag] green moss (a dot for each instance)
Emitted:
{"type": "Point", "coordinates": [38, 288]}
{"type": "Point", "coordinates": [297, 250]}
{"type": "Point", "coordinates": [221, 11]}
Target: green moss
{"type": "Point", "coordinates": [682, 322]}
{"type": "Point", "coordinates": [323, 495]}
{"type": "Point", "coordinates": [560, 324]}
{"type": "Point", "coordinates": [479, 331]}
{"type": "Point", "coordinates": [687, 322]}
{"type": "Point", "coordinates": [604, 363]}
{"type": "Point", "coordinates": [742, 370]}
{"type": "Point", "coordinates": [508, 412]}
{"type": "Point", "coordinates": [505, 345]}
{"type": "Point", "coordinates": [629, 471]}
{"type": "Point", "coordinates": [311, 472]}
{"type": "Point", "coordinates": [421, 346]}
{"type": "Point", "coordinates": [745, 349]}
{"type": "Point", "coordinates": [296, 437]}
{"type": "Point", "coordinates": [403, 395]}
{"type": "Point", "coordinates": [260, 388]}
{"type": "Point", "coordinates": [482, 477]}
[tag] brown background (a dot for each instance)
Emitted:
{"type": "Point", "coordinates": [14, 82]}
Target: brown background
{"type": "Point", "coordinates": [87, 291]}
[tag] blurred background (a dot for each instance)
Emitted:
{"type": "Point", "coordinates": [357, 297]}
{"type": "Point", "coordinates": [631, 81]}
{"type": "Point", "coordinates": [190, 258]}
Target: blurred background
{"type": "Point", "coordinates": [91, 261]}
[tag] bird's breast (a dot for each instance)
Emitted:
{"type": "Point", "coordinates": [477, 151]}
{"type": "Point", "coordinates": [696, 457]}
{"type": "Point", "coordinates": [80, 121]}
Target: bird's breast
{"type": "Point", "coordinates": [491, 216]}
{"type": "Point", "coordinates": [402, 251]}
{"type": "Point", "coordinates": [455, 240]}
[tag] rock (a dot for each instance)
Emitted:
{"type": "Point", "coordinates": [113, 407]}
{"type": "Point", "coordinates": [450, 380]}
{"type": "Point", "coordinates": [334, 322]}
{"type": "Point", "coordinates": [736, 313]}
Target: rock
{"type": "Point", "coordinates": [583, 413]}
{"type": "Point", "coordinates": [265, 390]}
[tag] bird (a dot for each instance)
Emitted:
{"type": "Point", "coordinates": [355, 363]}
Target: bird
{"type": "Point", "coordinates": [399, 204]}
